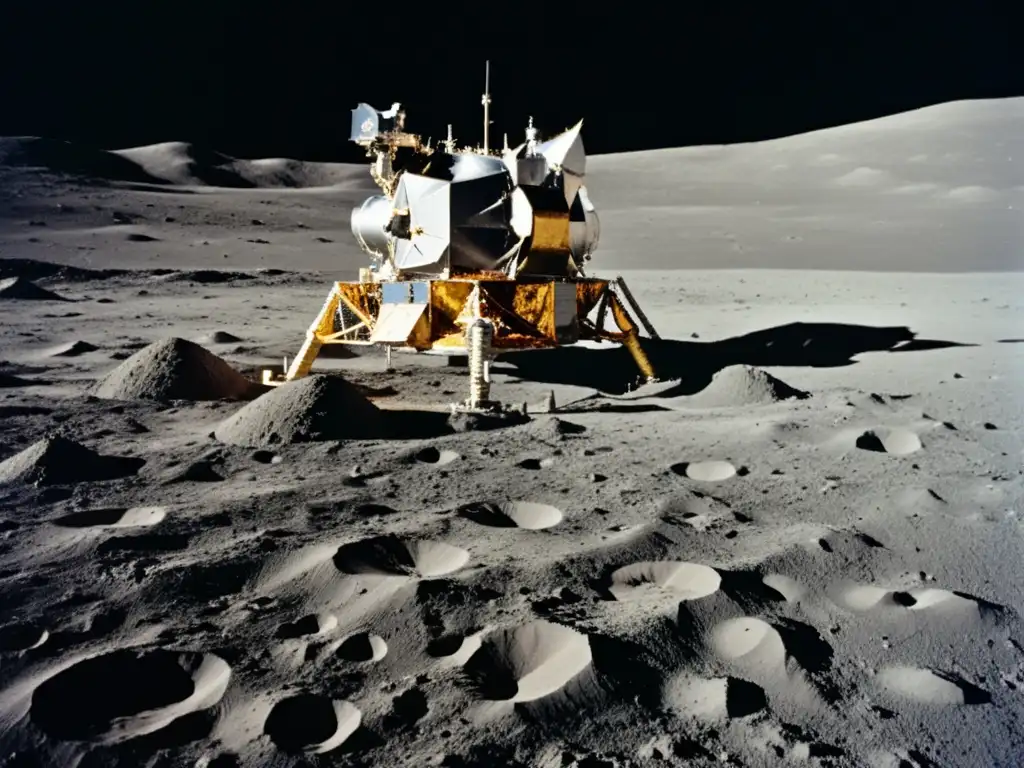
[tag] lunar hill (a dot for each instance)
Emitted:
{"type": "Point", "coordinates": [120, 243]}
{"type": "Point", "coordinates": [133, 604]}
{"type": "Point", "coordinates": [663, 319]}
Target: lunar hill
{"type": "Point", "coordinates": [174, 369]}
{"type": "Point", "coordinates": [171, 163]}
{"type": "Point", "coordinates": [314, 408]}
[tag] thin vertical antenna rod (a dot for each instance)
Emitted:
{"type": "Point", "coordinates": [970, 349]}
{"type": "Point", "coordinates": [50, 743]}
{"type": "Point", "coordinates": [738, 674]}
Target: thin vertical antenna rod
{"type": "Point", "coordinates": [486, 101]}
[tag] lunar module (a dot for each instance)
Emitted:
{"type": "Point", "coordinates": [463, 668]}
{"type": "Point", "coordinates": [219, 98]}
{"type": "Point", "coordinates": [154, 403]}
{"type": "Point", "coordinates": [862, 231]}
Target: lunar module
{"type": "Point", "coordinates": [473, 252]}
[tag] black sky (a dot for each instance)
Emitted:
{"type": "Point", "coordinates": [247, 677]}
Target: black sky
{"type": "Point", "coordinates": [279, 79]}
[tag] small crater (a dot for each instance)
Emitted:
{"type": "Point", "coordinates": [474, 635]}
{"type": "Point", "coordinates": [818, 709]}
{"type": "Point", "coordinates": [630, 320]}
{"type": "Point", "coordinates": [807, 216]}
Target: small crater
{"type": "Point", "coordinates": [897, 442]}
{"type": "Point", "coordinates": [308, 626]}
{"type": "Point", "coordinates": [705, 471]}
{"type": "Point", "coordinates": [436, 457]}
{"type": "Point", "coordinates": [22, 637]}
{"type": "Point", "coordinates": [407, 709]}
{"type": "Point", "coordinates": [363, 647]}
{"type": "Point", "coordinates": [685, 581]}
{"type": "Point", "coordinates": [528, 662]}
{"type": "Point", "coordinates": [113, 517]}
{"type": "Point", "coordinates": [514, 514]}
{"type": "Point", "coordinates": [392, 556]}
{"type": "Point", "coordinates": [266, 457]}
{"type": "Point", "coordinates": [932, 687]}
{"type": "Point", "coordinates": [311, 724]}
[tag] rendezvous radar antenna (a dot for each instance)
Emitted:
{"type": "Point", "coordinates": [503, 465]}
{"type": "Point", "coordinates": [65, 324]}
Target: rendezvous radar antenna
{"type": "Point", "coordinates": [473, 253]}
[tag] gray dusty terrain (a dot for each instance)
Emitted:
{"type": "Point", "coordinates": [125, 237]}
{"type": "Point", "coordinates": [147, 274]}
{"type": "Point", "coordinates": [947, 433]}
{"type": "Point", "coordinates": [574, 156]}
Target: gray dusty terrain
{"type": "Point", "coordinates": [802, 545]}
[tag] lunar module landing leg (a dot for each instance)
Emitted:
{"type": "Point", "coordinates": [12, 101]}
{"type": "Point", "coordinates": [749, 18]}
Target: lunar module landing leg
{"type": "Point", "coordinates": [478, 318]}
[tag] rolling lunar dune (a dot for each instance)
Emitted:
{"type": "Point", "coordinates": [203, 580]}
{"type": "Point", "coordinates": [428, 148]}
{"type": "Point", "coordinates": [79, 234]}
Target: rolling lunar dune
{"type": "Point", "coordinates": [801, 544]}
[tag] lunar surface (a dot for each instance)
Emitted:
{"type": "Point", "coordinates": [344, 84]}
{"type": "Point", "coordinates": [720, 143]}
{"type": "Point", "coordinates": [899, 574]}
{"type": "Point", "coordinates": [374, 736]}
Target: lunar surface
{"type": "Point", "coordinates": [802, 544]}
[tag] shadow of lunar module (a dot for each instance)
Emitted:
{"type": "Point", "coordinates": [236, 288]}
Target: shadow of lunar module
{"type": "Point", "coordinates": [474, 253]}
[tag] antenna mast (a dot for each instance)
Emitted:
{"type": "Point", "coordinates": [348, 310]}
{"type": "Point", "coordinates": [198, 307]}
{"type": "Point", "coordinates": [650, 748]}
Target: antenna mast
{"type": "Point", "coordinates": [486, 101]}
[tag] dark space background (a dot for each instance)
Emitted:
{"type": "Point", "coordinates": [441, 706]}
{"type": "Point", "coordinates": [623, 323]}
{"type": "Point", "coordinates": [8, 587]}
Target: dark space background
{"type": "Point", "coordinates": [278, 79]}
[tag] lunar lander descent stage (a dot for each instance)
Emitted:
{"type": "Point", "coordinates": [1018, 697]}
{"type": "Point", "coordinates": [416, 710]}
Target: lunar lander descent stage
{"type": "Point", "coordinates": [473, 252]}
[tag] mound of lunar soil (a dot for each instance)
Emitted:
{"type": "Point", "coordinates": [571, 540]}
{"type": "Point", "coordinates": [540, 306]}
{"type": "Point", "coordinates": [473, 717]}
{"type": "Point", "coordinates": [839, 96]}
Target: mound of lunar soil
{"type": "Point", "coordinates": [174, 369]}
{"type": "Point", "coordinates": [59, 461]}
{"type": "Point", "coordinates": [26, 290]}
{"type": "Point", "coordinates": [306, 410]}
{"type": "Point", "coordinates": [743, 385]}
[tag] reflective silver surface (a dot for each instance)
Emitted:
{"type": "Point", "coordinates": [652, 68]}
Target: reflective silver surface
{"type": "Point", "coordinates": [368, 222]}
{"type": "Point", "coordinates": [449, 211]}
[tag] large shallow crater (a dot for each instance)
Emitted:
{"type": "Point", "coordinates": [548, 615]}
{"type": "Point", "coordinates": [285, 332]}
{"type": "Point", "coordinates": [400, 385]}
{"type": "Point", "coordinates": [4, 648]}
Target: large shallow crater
{"type": "Point", "coordinates": [127, 693]}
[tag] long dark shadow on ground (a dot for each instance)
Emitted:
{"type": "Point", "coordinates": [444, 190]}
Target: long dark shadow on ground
{"type": "Point", "coordinates": [612, 370]}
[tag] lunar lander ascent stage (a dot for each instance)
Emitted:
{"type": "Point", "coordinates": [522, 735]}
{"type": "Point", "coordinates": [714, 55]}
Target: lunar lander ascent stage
{"type": "Point", "coordinates": [473, 252]}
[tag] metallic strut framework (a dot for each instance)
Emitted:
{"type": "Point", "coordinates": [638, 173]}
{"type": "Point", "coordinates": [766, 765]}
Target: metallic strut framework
{"type": "Point", "coordinates": [521, 316]}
